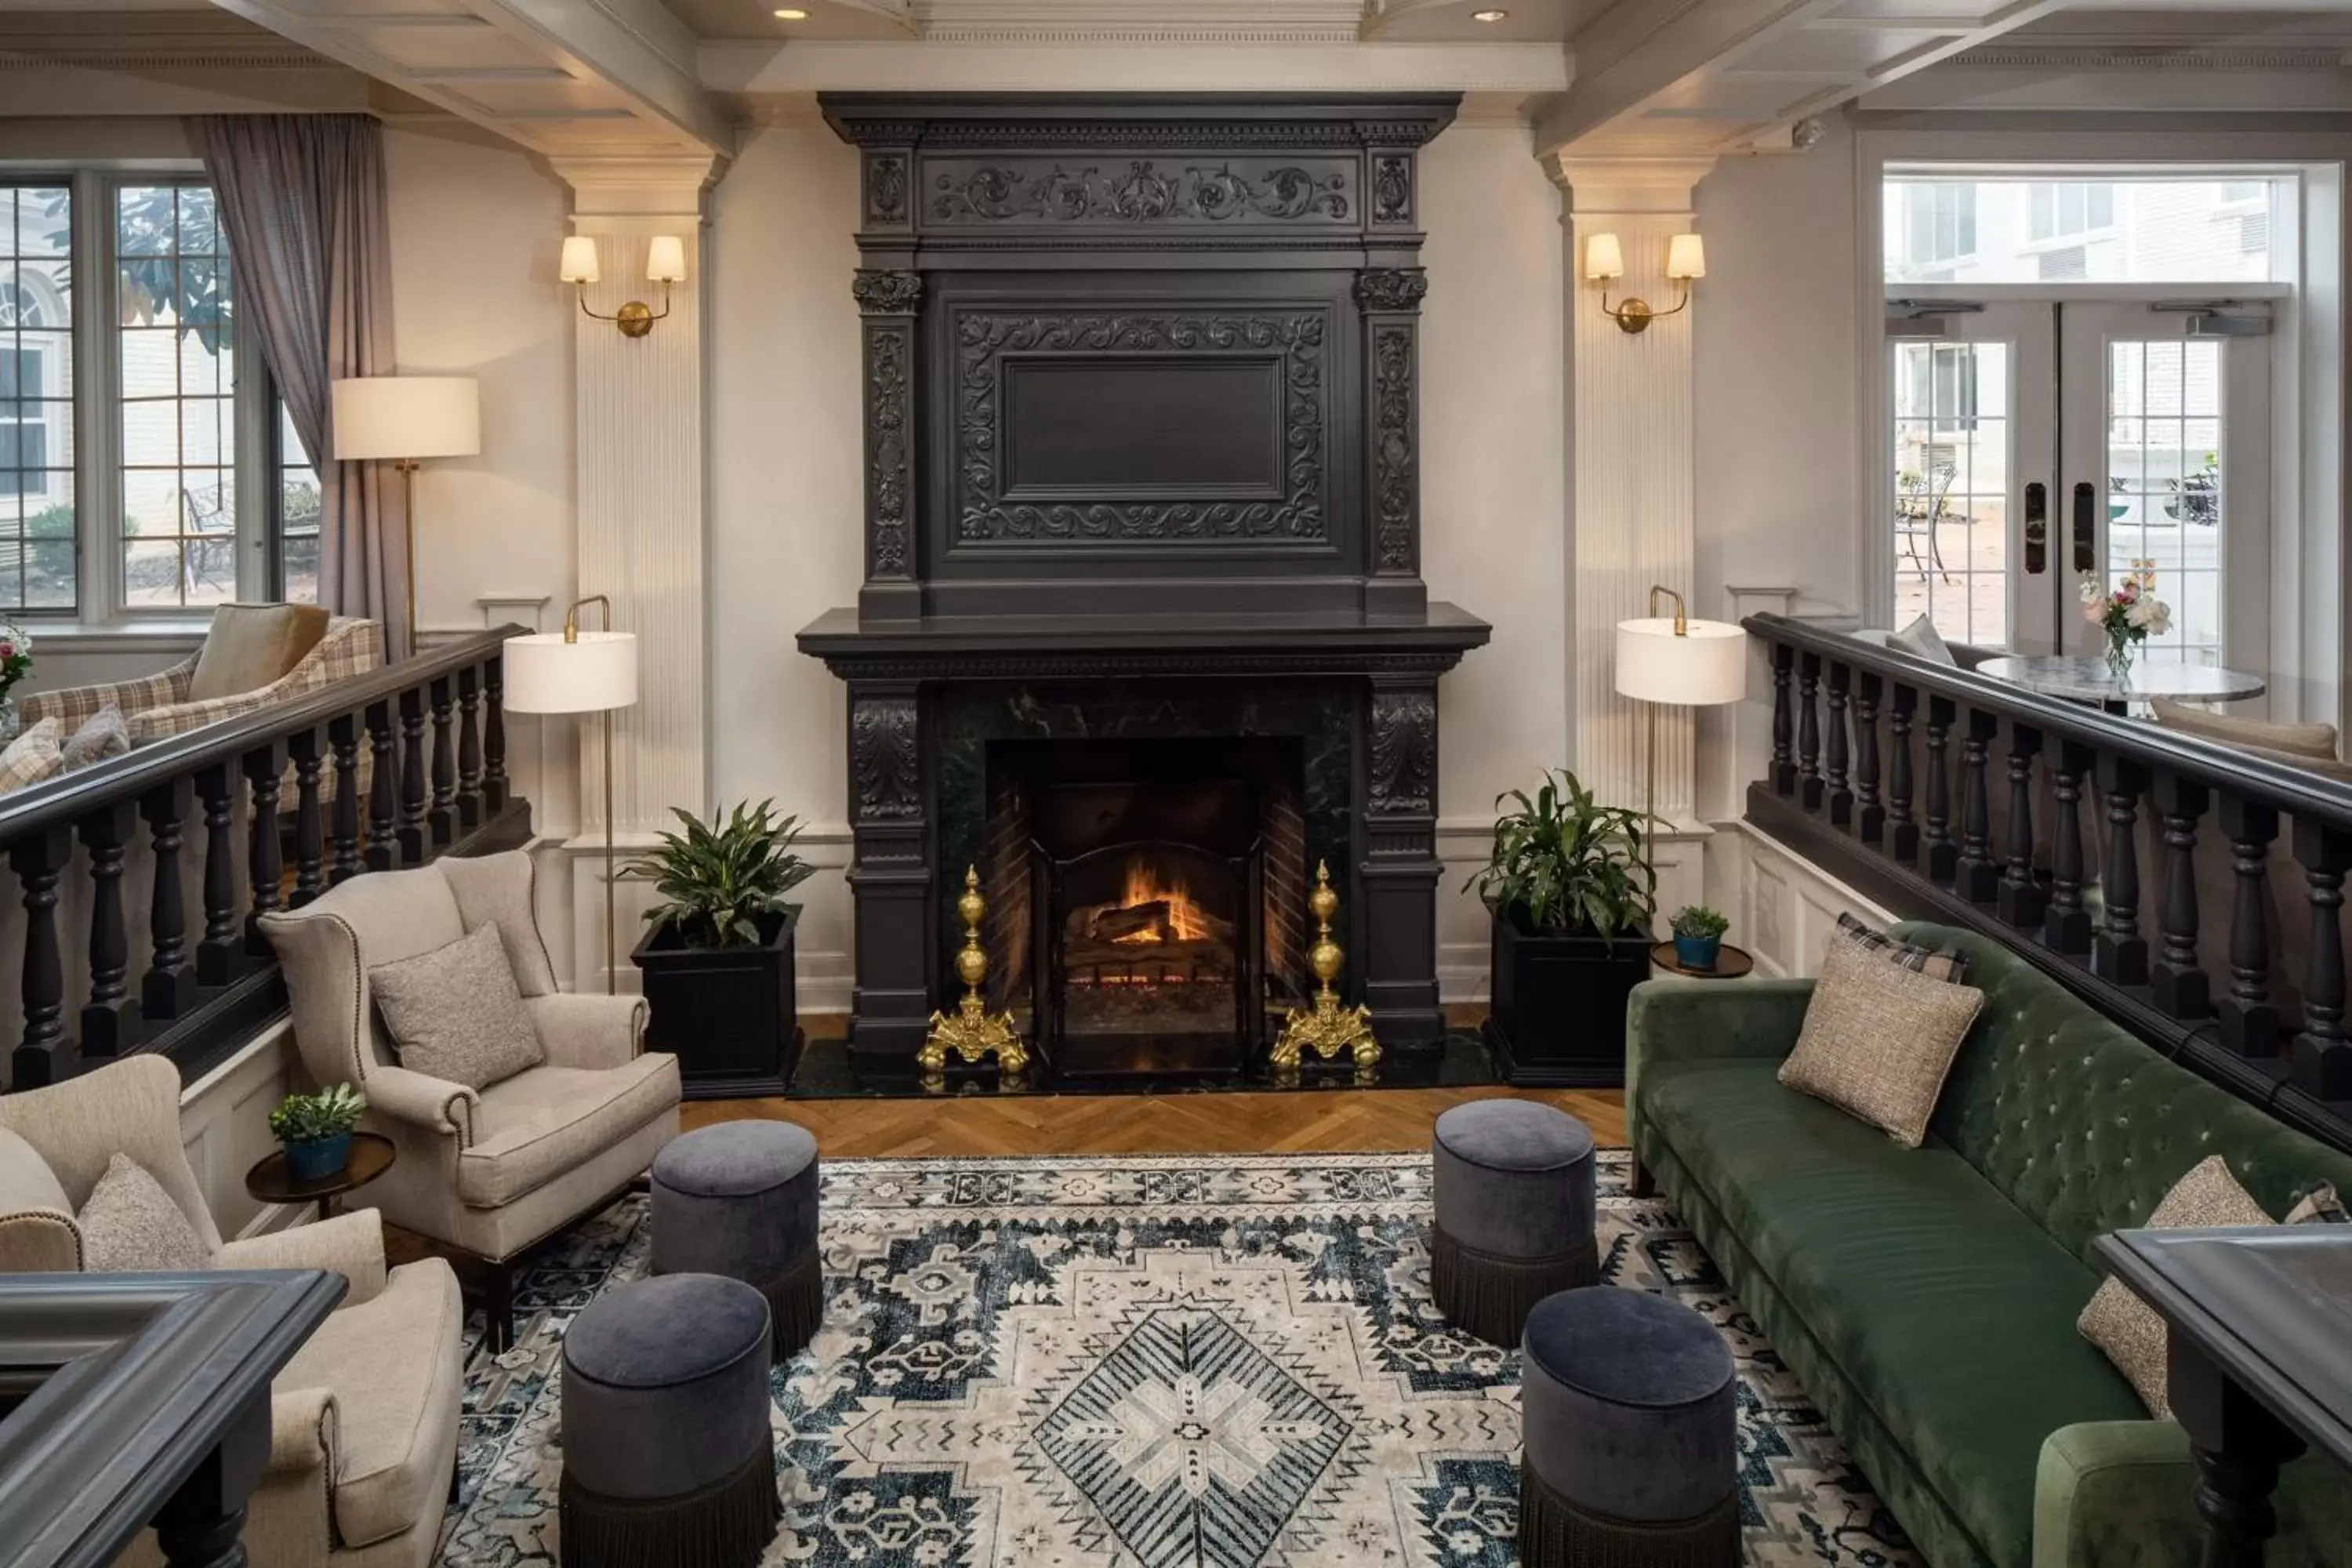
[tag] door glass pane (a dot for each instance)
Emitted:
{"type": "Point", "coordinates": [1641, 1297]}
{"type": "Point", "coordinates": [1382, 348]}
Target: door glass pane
{"type": "Point", "coordinates": [1952, 437]}
{"type": "Point", "coordinates": [2165, 499]}
{"type": "Point", "coordinates": [1975, 228]}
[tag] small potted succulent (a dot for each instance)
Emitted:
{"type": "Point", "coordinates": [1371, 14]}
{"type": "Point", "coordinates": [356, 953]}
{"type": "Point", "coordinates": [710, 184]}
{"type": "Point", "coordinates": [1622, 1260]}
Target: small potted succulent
{"type": "Point", "coordinates": [717, 956]}
{"type": "Point", "coordinates": [315, 1129]}
{"type": "Point", "coordinates": [1698, 936]}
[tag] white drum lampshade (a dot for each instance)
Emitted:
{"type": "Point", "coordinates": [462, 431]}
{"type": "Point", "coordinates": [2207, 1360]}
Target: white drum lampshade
{"type": "Point", "coordinates": [1706, 666]}
{"type": "Point", "coordinates": [407, 417]}
{"type": "Point", "coordinates": [547, 674]}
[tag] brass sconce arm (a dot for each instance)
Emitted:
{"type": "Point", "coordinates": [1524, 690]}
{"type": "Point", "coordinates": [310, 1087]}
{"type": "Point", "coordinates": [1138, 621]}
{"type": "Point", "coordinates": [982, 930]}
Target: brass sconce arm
{"type": "Point", "coordinates": [635, 317]}
{"type": "Point", "coordinates": [1636, 315]}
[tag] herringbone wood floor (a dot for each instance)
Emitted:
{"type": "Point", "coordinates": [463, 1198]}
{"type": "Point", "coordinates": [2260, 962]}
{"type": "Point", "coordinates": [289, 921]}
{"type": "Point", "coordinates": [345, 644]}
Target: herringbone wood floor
{"type": "Point", "coordinates": [1306, 1121]}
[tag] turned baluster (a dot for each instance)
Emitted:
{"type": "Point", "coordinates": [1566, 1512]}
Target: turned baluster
{"type": "Point", "coordinates": [169, 988]}
{"type": "Point", "coordinates": [2119, 954]}
{"type": "Point", "coordinates": [109, 1018]}
{"type": "Point", "coordinates": [344, 740]}
{"type": "Point", "coordinates": [1974, 874]}
{"type": "Point", "coordinates": [442, 818]}
{"type": "Point", "coordinates": [44, 1054]}
{"type": "Point", "coordinates": [2066, 926]}
{"type": "Point", "coordinates": [263, 769]}
{"type": "Point", "coordinates": [218, 957]}
{"type": "Point", "coordinates": [1840, 797]}
{"type": "Point", "coordinates": [1784, 764]}
{"type": "Point", "coordinates": [469, 749]}
{"type": "Point", "coordinates": [1870, 815]}
{"type": "Point", "coordinates": [2250, 1019]}
{"type": "Point", "coordinates": [1809, 731]}
{"type": "Point", "coordinates": [2180, 986]}
{"type": "Point", "coordinates": [1903, 842]}
{"type": "Point", "coordinates": [412, 830]}
{"type": "Point", "coordinates": [2323, 1056]}
{"type": "Point", "coordinates": [494, 737]}
{"type": "Point", "coordinates": [1943, 855]}
{"type": "Point", "coordinates": [2021, 901]}
{"type": "Point", "coordinates": [383, 850]}
{"type": "Point", "coordinates": [309, 823]}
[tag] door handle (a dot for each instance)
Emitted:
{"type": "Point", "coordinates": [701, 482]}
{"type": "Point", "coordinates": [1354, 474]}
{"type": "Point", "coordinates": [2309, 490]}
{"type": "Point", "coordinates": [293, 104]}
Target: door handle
{"type": "Point", "coordinates": [2086, 539]}
{"type": "Point", "coordinates": [2037, 529]}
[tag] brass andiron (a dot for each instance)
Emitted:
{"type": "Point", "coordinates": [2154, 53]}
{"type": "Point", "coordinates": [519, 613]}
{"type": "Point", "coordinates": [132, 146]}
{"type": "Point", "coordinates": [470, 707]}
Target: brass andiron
{"type": "Point", "coordinates": [1329, 1028]}
{"type": "Point", "coordinates": [971, 1033]}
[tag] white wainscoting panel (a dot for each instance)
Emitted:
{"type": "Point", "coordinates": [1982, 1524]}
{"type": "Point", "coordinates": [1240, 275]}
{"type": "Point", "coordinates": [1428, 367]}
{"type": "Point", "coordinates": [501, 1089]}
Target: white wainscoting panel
{"type": "Point", "coordinates": [1786, 906]}
{"type": "Point", "coordinates": [224, 1124]}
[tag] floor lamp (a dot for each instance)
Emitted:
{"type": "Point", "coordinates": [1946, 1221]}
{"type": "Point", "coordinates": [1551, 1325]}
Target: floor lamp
{"type": "Point", "coordinates": [1675, 660]}
{"type": "Point", "coordinates": [573, 671]}
{"type": "Point", "coordinates": [404, 419]}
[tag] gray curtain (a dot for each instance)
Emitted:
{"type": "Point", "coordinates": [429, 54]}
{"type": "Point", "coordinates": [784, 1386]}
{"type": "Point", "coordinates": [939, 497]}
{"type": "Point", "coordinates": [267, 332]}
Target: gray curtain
{"type": "Point", "coordinates": [302, 201]}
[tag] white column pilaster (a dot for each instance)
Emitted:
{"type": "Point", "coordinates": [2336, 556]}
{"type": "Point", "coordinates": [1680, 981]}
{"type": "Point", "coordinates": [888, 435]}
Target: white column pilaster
{"type": "Point", "coordinates": [638, 466]}
{"type": "Point", "coordinates": [1632, 433]}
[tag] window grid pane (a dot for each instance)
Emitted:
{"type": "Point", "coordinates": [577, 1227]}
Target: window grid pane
{"type": "Point", "coordinates": [1951, 502]}
{"type": "Point", "coordinates": [37, 551]}
{"type": "Point", "coordinates": [176, 347]}
{"type": "Point", "coordinates": [298, 515]}
{"type": "Point", "coordinates": [2165, 508]}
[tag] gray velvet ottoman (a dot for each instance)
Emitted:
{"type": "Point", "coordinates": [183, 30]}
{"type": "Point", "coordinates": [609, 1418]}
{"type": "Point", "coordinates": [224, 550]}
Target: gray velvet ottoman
{"type": "Point", "coordinates": [739, 1198]}
{"type": "Point", "coordinates": [1629, 1415]}
{"type": "Point", "coordinates": [1514, 1191]}
{"type": "Point", "coordinates": [668, 1459]}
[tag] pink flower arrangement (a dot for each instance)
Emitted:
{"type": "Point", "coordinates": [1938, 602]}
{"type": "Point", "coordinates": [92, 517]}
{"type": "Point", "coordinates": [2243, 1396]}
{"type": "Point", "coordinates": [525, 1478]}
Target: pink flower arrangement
{"type": "Point", "coordinates": [2129, 615]}
{"type": "Point", "coordinates": [16, 655]}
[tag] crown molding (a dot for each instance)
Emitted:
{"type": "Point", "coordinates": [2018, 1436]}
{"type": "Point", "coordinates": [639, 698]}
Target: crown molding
{"type": "Point", "coordinates": [2107, 57]}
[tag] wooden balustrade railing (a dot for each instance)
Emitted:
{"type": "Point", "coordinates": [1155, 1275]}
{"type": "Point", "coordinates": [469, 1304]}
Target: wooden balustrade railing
{"type": "Point", "coordinates": [270, 809]}
{"type": "Point", "coordinates": [2141, 866]}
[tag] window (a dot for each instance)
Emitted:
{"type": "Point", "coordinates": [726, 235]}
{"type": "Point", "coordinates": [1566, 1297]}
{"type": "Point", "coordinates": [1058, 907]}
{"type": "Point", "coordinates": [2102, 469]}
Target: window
{"type": "Point", "coordinates": [296, 543]}
{"type": "Point", "coordinates": [1942, 226]}
{"type": "Point", "coordinates": [1940, 222]}
{"type": "Point", "coordinates": [145, 485]}
{"type": "Point", "coordinates": [2064, 211]}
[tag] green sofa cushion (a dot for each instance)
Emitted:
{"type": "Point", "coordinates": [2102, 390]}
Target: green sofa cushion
{"type": "Point", "coordinates": [1949, 1309]}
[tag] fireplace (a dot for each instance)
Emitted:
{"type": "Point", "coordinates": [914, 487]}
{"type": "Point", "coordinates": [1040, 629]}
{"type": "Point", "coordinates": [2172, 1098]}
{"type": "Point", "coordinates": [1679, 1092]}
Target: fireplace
{"type": "Point", "coordinates": [1142, 636]}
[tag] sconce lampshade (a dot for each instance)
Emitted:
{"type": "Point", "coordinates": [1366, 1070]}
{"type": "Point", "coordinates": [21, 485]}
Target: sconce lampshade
{"type": "Point", "coordinates": [1707, 667]}
{"type": "Point", "coordinates": [579, 264]}
{"type": "Point", "coordinates": [545, 674]}
{"type": "Point", "coordinates": [666, 259]}
{"type": "Point", "coordinates": [1685, 257]}
{"type": "Point", "coordinates": [1603, 258]}
{"type": "Point", "coordinates": [406, 417]}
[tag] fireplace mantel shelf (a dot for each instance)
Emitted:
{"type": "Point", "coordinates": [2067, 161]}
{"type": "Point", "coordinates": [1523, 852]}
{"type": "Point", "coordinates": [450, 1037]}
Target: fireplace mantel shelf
{"type": "Point", "coordinates": [998, 647]}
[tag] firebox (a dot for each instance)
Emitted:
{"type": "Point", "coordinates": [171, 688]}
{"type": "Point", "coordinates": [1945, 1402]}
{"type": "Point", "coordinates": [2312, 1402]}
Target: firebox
{"type": "Point", "coordinates": [1147, 897]}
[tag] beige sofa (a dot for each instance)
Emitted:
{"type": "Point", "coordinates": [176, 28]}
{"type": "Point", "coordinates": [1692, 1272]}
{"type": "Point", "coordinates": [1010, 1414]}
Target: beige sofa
{"type": "Point", "coordinates": [488, 1172]}
{"type": "Point", "coordinates": [157, 706]}
{"type": "Point", "coordinates": [363, 1420]}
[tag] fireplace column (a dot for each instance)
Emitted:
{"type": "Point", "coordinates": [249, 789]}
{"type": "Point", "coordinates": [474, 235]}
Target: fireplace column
{"type": "Point", "coordinates": [890, 870]}
{"type": "Point", "coordinates": [1396, 930]}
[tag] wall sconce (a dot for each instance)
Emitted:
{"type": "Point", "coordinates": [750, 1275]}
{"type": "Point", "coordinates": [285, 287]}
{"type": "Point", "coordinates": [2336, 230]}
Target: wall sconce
{"type": "Point", "coordinates": [1604, 261]}
{"type": "Point", "coordinates": [664, 265]}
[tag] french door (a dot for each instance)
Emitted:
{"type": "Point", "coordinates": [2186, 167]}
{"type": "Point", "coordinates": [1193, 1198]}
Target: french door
{"type": "Point", "coordinates": [2039, 443]}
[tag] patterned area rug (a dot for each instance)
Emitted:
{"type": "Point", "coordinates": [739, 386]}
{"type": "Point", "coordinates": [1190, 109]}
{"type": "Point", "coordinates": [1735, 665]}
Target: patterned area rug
{"type": "Point", "coordinates": [1144, 1363]}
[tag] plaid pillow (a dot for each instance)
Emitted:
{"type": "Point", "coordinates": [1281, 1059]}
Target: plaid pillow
{"type": "Point", "coordinates": [33, 757]}
{"type": "Point", "coordinates": [1947, 963]}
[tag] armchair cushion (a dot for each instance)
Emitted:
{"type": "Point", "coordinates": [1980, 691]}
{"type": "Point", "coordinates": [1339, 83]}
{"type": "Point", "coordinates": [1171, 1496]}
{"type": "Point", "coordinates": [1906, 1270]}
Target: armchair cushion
{"type": "Point", "coordinates": [254, 645]}
{"type": "Point", "coordinates": [538, 1125]}
{"type": "Point", "coordinates": [130, 1223]}
{"type": "Point", "coordinates": [453, 1012]}
{"type": "Point", "coordinates": [351, 1245]}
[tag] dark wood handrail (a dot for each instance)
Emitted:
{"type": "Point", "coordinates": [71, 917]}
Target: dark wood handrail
{"type": "Point", "coordinates": [63, 801]}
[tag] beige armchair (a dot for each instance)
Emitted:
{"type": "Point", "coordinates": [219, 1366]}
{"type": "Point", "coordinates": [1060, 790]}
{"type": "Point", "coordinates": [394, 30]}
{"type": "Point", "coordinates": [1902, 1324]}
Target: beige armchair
{"type": "Point", "coordinates": [488, 1172]}
{"type": "Point", "coordinates": [363, 1420]}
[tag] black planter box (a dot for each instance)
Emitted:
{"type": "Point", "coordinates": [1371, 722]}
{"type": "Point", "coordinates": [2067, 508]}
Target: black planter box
{"type": "Point", "coordinates": [1558, 1011]}
{"type": "Point", "coordinates": [726, 1013]}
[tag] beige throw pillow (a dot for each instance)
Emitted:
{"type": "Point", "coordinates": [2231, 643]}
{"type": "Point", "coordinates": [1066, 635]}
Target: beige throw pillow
{"type": "Point", "coordinates": [1878, 1039]}
{"type": "Point", "coordinates": [1920, 639]}
{"type": "Point", "coordinates": [33, 757]}
{"type": "Point", "coordinates": [455, 1013]}
{"type": "Point", "coordinates": [2315, 742]}
{"type": "Point", "coordinates": [132, 1225]}
{"type": "Point", "coordinates": [2126, 1328]}
{"type": "Point", "coordinates": [254, 645]}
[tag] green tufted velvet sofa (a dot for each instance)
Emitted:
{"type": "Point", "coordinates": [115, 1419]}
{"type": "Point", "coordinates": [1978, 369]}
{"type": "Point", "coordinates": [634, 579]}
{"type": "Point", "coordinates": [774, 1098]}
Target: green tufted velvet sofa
{"type": "Point", "coordinates": [1927, 1298]}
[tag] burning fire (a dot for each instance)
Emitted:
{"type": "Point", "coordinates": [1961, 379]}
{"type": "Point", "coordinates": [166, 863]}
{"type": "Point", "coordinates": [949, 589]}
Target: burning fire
{"type": "Point", "coordinates": [1187, 922]}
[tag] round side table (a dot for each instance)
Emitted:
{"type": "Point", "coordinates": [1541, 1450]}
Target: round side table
{"type": "Point", "coordinates": [1730, 962]}
{"type": "Point", "coordinates": [371, 1156]}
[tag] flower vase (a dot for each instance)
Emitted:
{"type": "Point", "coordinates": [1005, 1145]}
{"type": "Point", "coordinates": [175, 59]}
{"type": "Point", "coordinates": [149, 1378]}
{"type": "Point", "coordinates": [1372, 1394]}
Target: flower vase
{"type": "Point", "coordinates": [2120, 653]}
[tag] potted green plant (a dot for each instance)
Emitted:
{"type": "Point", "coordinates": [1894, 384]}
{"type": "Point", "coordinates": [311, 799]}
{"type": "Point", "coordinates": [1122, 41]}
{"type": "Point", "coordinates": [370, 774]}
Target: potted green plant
{"type": "Point", "coordinates": [315, 1131]}
{"type": "Point", "coordinates": [1572, 891]}
{"type": "Point", "coordinates": [717, 956]}
{"type": "Point", "coordinates": [1698, 936]}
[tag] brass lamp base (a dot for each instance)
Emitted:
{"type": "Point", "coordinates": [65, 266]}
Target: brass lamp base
{"type": "Point", "coordinates": [970, 1032]}
{"type": "Point", "coordinates": [1330, 1028]}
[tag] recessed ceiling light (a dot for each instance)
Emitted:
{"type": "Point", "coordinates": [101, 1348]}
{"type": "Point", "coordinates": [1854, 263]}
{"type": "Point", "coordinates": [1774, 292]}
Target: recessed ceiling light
{"type": "Point", "coordinates": [792, 14]}
{"type": "Point", "coordinates": [1488, 15]}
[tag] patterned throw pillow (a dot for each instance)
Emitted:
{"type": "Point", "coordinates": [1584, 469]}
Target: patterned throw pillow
{"type": "Point", "coordinates": [33, 757]}
{"type": "Point", "coordinates": [1878, 1039]}
{"type": "Point", "coordinates": [2319, 1206]}
{"type": "Point", "coordinates": [1920, 639]}
{"type": "Point", "coordinates": [104, 734]}
{"type": "Point", "coordinates": [455, 1013]}
{"type": "Point", "coordinates": [132, 1225]}
{"type": "Point", "coordinates": [1947, 963]}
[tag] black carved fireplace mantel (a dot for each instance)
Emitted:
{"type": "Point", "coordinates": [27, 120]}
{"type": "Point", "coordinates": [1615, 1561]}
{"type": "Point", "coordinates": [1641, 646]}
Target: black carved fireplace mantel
{"type": "Point", "coordinates": [1140, 388]}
